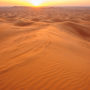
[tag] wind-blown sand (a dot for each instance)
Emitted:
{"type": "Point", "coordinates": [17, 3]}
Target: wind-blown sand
{"type": "Point", "coordinates": [44, 48]}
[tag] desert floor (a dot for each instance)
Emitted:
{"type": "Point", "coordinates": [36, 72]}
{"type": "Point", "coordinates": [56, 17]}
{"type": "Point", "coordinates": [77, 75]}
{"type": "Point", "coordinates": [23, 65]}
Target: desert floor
{"type": "Point", "coordinates": [44, 48]}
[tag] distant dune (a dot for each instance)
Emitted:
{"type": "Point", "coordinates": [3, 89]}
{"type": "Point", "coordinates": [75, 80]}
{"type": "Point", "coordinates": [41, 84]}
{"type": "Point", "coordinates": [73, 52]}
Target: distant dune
{"type": "Point", "coordinates": [44, 48]}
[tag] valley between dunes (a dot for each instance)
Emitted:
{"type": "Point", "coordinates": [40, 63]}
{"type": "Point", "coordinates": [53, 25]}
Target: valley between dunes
{"type": "Point", "coordinates": [44, 55]}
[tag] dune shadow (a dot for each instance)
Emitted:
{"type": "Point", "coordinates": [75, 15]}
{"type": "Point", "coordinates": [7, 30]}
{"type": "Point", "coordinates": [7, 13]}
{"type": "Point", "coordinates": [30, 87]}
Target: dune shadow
{"type": "Point", "coordinates": [57, 20]}
{"type": "Point", "coordinates": [36, 19]}
{"type": "Point", "coordinates": [23, 23]}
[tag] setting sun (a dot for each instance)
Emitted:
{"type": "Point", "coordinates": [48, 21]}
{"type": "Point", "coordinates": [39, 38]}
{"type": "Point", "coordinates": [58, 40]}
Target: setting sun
{"type": "Point", "coordinates": [36, 2]}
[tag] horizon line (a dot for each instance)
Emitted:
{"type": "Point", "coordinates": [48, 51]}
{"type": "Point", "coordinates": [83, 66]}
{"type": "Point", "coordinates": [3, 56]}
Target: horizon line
{"type": "Point", "coordinates": [45, 6]}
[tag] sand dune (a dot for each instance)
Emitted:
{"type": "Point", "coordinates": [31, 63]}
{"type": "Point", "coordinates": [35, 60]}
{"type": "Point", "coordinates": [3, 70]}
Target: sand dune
{"type": "Point", "coordinates": [76, 29]}
{"type": "Point", "coordinates": [38, 52]}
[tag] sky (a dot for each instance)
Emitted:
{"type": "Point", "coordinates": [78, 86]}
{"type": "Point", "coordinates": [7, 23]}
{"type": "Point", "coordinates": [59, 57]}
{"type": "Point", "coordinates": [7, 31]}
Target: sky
{"type": "Point", "coordinates": [44, 2]}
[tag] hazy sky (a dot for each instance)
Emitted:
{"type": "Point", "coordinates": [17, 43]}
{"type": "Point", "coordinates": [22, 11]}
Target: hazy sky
{"type": "Point", "coordinates": [45, 2]}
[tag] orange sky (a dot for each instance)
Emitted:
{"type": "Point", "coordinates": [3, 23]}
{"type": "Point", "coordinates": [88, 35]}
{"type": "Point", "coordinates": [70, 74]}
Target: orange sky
{"type": "Point", "coordinates": [45, 2]}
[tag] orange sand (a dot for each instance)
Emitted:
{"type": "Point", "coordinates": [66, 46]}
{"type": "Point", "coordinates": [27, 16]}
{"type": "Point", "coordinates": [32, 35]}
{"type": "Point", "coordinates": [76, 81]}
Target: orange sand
{"type": "Point", "coordinates": [44, 48]}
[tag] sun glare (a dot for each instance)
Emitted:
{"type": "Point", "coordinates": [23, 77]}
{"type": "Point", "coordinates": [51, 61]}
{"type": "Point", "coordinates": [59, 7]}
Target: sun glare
{"type": "Point", "coordinates": [36, 2]}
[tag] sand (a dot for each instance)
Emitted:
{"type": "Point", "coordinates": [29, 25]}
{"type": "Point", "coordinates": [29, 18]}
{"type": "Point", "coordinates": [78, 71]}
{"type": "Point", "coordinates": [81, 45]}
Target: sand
{"type": "Point", "coordinates": [44, 48]}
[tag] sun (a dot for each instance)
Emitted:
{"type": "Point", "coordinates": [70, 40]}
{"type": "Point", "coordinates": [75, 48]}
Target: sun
{"type": "Point", "coordinates": [36, 2]}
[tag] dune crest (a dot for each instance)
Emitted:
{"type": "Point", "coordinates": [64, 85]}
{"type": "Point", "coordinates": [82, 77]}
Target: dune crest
{"type": "Point", "coordinates": [76, 29]}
